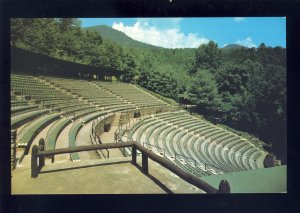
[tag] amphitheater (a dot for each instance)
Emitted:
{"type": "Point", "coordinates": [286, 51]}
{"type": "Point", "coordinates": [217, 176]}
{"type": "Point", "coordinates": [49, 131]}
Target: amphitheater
{"type": "Point", "coordinates": [50, 113]}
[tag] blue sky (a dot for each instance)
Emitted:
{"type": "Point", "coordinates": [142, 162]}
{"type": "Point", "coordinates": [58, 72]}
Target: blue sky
{"type": "Point", "coordinates": [192, 32]}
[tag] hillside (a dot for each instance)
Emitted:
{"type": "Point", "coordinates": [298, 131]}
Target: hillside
{"type": "Point", "coordinates": [234, 46]}
{"type": "Point", "coordinates": [120, 37]}
{"type": "Point", "coordinates": [125, 41]}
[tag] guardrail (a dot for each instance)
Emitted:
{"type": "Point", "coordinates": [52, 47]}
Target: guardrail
{"type": "Point", "coordinates": [96, 140]}
{"type": "Point", "coordinates": [176, 155]}
{"type": "Point", "coordinates": [39, 153]}
{"type": "Point", "coordinates": [118, 138]}
{"type": "Point", "coordinates": [157, 147]}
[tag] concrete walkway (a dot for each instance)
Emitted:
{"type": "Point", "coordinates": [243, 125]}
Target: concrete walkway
{"type": "Point", "coordinates": [83, 138]}
{"type": "Point", "coordinates": [111, 176]}
{"type": "Point", "coordinates": [108, 137]}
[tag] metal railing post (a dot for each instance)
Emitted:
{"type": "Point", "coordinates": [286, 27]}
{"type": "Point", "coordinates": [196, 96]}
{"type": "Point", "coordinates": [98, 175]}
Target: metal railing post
{"type": "Point", "coordinates": [34, 165]}
{"type": "Point", "coordinates": [145, 163]}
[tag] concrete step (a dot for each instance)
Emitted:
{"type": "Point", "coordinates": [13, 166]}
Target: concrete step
{"type": "Point", "coordinates": [116, 119]}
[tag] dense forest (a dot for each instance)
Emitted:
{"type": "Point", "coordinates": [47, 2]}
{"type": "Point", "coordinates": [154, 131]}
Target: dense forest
{"type": "Point", "coordinates": [244, 87]}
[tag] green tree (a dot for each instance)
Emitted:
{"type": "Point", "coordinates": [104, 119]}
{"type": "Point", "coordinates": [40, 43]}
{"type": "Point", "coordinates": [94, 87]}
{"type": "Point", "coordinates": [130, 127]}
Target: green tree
{"type": "Point", "coordinates": [129, 67]}
{"type": "Point", "coordinates": [207, 56]}
{"type": "Point", "coordinates": [204, 91]}
{"type": "Point", "coordinates": [232, 78]}
{"type": "Point", "coordinates": [111, 54]}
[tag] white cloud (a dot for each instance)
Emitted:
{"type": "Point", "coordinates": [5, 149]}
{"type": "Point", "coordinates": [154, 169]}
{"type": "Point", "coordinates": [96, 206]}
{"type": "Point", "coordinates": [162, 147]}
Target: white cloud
{"type": "Point", "coordinates": [239, 19]}
{"type": "Point", "coordinates": [224, 45]}
{"type": "Point", "coordinates": [161, 23]}
{"type": "Point", "coordinates": [248, 42]}
{"type": "Point", "coordinates": [161, 32]}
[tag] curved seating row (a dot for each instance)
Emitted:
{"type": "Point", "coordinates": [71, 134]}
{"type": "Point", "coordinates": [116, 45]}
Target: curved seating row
{"type": "Point", "coordinates": [22, 108]}
{"type": "Point", "coordinates": [80, 99]}
{"type": "Point", "coordinates": [198, 141]}
{"type": "Point", "coordinates": [25, 110]}
{"type": "Point", "coordinates": [18, 120]}
{"type": "Point", "coordinates": [31, 130]}
{"type": "Point", "coordinates": [131, 94]}
{"type": "Point", "coordinates": [193, 144]}
{"type": "Point", "coordinates": [54, 131]}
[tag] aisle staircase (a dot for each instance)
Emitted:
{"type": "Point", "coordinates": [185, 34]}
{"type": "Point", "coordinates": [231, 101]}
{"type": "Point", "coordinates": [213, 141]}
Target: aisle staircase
{"type": "Point", "coordinates": [116, 120]}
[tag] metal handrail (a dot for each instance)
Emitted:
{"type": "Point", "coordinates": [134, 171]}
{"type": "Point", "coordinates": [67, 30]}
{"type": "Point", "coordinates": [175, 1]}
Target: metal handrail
{"type": "Point", "coordinates": [157, 147]}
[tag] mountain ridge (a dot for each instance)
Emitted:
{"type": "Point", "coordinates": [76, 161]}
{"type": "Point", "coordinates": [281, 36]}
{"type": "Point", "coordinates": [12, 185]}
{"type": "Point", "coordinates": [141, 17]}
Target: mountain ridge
{"type": "Point", "coordinates": [119, 37]}
{"type": "Point", "coordinates": [122, 39]}
{"type": "Point", "coordinates": [233, 46]}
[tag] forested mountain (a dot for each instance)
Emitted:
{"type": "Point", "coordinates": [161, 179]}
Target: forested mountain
{"type": "Point", "coordinates": [233, 46]}
{"type": "Point", "coordinates": [119, 37]}
{"type": "Point", "coordinates": [244, 87]}
{"type": "Point", "coordinates": [157, 60]}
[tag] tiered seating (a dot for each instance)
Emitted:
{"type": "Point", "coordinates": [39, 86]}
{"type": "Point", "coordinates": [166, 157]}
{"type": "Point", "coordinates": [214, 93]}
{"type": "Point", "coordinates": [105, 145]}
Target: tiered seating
{"type": "Point", "coordinates": [180, 133]}
{"type": "Point", "coordinates": [193, 144]}
{"type": "Point", "coordinates": [150, 126]}
{"type": "Point", "coordinates": [33, 128]}
{"type": "Point", "coordinates": [93, 94]}
{"type": "Point", "coordinates": [34, 88]}
{"type": "Point", "coordinates": [17, 103]}
{"type": "Point", "coordinates": [39, 91]}
{"type": "Point", "coordinates": [35, 96]}
{"type": "Point", "coordinates": [50, 98]}
{"type": "Point", "coordinates": [19, 119]}
{"type": "Point", "coordinates": [72, 139]}
{"type": "Point", "coordinates": [131, 93]}
{"type": "Point", "coordinates": [22, 108]}
{"type": "Point", "coordinates": [54, 132]}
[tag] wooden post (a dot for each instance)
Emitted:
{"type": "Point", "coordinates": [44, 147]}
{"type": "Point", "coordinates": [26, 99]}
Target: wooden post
{"type": "Point", "coordinates": [133, 155]}
{"type": "Point", "coordinates": [34, 166]}
{"type": "Point", "coordinates": [13, 149]}
{"type": "Point", "coordinates": [224, 187]}
{"type": "Point", "coordinates": [41, 158]}
{"type": "Point", "coordinates": [145, 163]}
